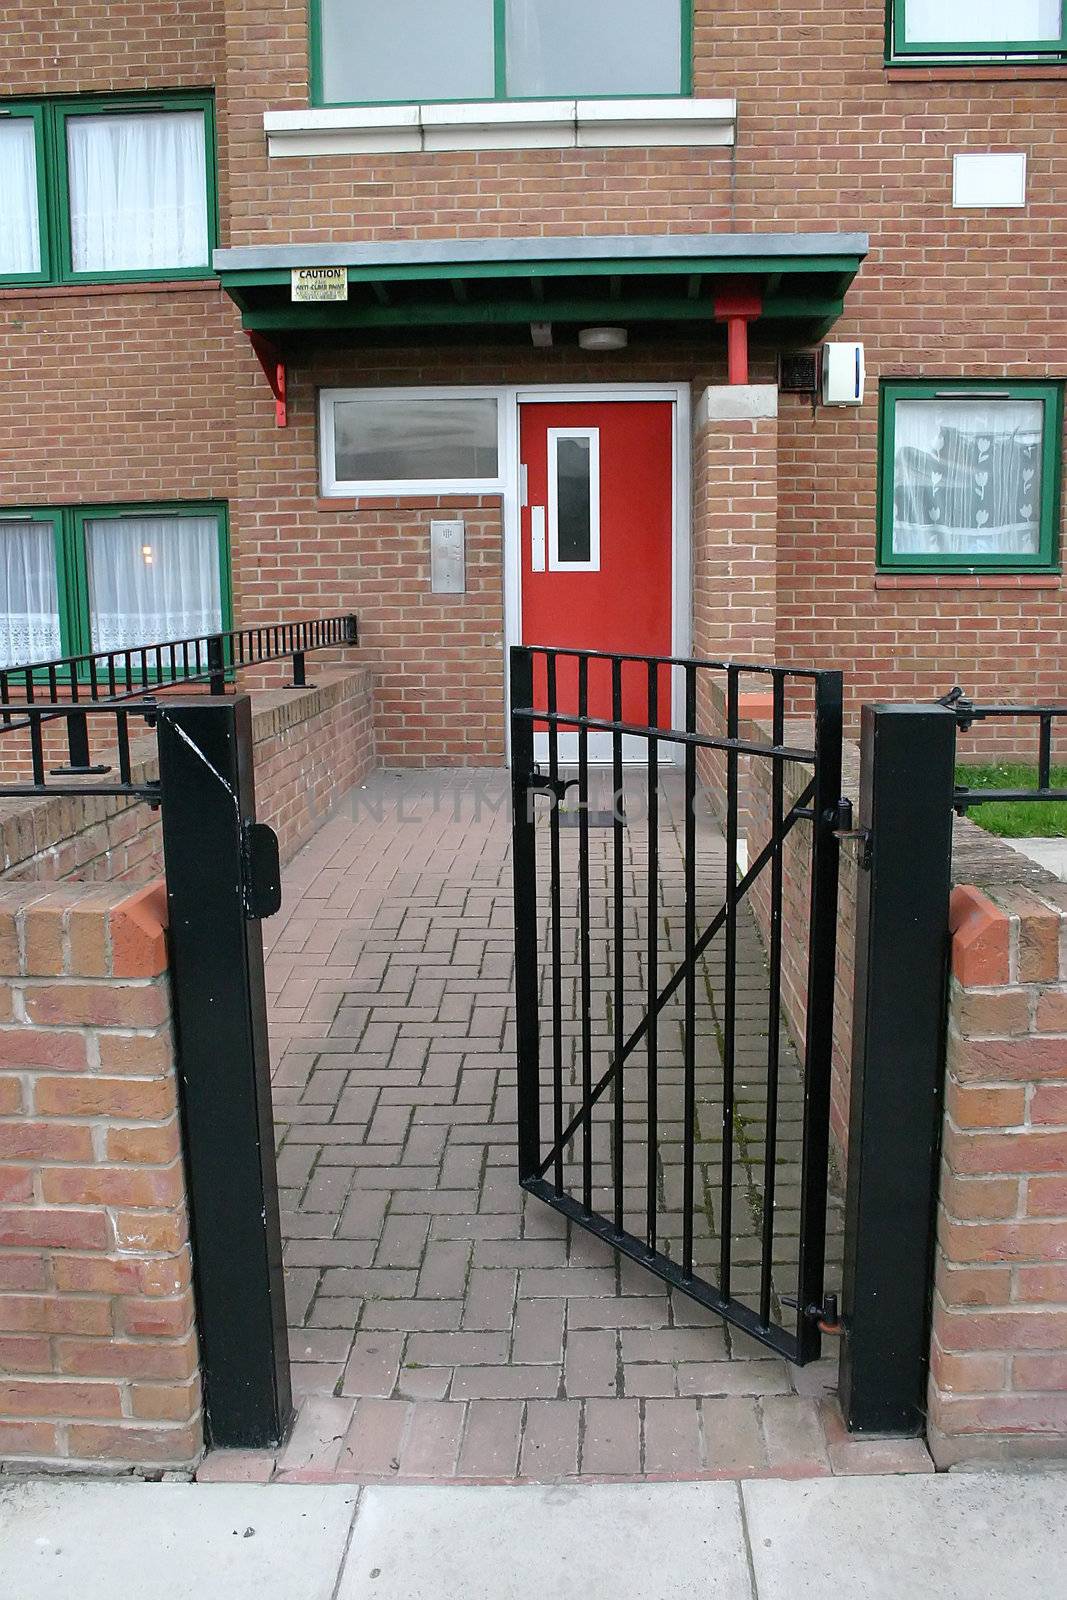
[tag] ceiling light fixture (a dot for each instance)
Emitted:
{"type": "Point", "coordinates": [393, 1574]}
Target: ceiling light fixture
{"type": "Point", "coordinates": [603, 338]}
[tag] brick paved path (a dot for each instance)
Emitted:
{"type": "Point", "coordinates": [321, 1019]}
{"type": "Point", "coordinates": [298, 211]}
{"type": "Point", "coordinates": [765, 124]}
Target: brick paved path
{"type": "Point", "coordinates": [442, 1324]}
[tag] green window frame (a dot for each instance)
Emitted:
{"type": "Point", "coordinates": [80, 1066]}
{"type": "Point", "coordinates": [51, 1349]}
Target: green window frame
{"type": "Point", "coordinates": [50, 118]}
{"type": "Point", "coordinates": [72, 562]}
{"type": "Point", "coordinates": [898, 49]}
{"type": "Point", "coordinates": [685, 69]}
{"type": "Point", "coordinates": [1046, 557]}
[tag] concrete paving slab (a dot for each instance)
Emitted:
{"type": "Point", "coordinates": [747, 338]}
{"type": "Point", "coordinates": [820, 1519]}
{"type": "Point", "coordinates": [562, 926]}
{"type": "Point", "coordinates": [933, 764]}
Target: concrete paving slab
{"type": "Point", "coordinates": [171, 1541]}
{"type": "Point", "coordinates": [970, 1536]}
{"type": "Point", "coordinates": [1049, 853]}
{"type": "Point", "coordinates": [667, 1541]}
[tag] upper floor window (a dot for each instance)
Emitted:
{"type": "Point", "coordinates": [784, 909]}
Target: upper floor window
{"type": "Point", "coordinates": [105, 189]}
{"type": "Point", "coordinates": [364, 52]}
{"type": "Point", "coordinates": [979, 27]}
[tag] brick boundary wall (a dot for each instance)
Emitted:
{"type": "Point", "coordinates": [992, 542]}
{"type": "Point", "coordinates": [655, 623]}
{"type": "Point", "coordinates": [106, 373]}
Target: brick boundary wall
{"type": "Point", "coordinates": [97, 1335]}
{"type": "Point", "coordinates": [311, 747]}
{"type": "Point", "coordinates": [998, 1379]}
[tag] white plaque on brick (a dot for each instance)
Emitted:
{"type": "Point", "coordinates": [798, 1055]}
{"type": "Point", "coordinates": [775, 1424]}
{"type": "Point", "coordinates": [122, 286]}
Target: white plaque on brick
{"type": "Point", "coordinates": [979, 181]}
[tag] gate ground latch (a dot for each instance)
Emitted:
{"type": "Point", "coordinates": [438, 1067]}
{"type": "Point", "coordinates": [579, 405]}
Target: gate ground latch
{"type": "Point", "coordinates": [846, 833]}
{"type": "Point", "coordinates": [826, 1317]}
{"type": "Point", "coordinates": [261, 871]}
{"type": "Point", "coordinates": [556, 787]}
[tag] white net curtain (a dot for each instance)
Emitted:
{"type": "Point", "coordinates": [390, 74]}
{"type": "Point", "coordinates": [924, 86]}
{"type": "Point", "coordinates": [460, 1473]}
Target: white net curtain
{"type": "Point", "coordinates": [984, 21]}
{"type": "Point", "coordinates": [152, 578]}
{"type": "Point", "coordinates": [29, 594]}
{"type": "Point", "coordinates": [967, 477]}
{"type": "Point", "coordinates": [138, 191]}
{"type": "Point", "coordinates": [20, 235]}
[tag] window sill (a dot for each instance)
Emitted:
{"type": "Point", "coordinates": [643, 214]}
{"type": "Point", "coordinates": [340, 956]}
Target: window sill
{"type": "Point", "coordinates": [981, 72]}
{"type": "Point", "coordinates": [53, 291]}
{"type": "Point", "coordinates": [499, 125]}
{"type": "Point", "coordinates": [409, 502]}
{"type": "Point", "coordinates": [969, 580]}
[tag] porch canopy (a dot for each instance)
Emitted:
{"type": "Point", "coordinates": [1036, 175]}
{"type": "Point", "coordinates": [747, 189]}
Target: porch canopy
{"type": "Point", "coordinates": [789, 287]}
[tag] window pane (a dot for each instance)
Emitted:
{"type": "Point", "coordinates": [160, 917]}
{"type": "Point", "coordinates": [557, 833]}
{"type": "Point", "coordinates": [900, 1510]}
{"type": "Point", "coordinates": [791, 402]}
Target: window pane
{"type": "Point", "coordinates": [967, 477]}
{"type": "Point", "coordinates": [555, 47]}
{"type": "Point", "coordinates": [573, 511]}
{"type": "Point", "coordinates": [138, 191]}
{"type": "Point", "coordinates": [29, 595]}
{"type": "Point", "coordinates": [980, 21]}
{"type": "Point", "coordinates": [152, 578]}
{"type": "Point", "coordinates": [397, 438]}
{"type": "Point", "coordinates": [407, 50]}
{"type": "Point", "coordinates": [20, 234]}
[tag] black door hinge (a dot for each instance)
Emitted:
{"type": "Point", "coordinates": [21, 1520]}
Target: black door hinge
{"type": "Point", "coordinates": [846, 833]}
{"type": "Point", "coordinates": [826, 1317]}
{"type": "Point", "coordinates": [261, 871]}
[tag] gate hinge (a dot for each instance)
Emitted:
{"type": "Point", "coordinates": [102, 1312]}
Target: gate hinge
{"type": "Point", "coordinates": [261, 871]}
{"type": "Point", "coordinates": [826, 1317]}
{"type": "Point", "coordinates": [846, 833]}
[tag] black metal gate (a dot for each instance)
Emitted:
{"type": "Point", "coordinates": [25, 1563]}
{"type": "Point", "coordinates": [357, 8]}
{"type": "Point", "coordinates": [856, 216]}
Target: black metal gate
{"type": "Point", "coordinates": [643, 1060]}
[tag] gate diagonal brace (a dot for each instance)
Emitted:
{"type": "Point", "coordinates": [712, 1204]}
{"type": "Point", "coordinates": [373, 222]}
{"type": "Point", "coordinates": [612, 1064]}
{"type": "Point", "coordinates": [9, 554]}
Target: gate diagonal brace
{"type": "Point", "coordinates": [797, 813]}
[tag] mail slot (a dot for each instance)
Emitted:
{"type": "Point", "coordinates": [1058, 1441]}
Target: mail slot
{"type": "Point", "coordinates": [448, 557]}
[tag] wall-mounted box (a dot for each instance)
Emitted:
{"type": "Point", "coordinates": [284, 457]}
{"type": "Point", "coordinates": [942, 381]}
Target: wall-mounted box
{"type": "Point", "coordinates": [844, 374]}
{"type": "Point", "coordinates": [448, 556]}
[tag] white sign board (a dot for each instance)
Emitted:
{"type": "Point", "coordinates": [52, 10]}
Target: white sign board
{"type": "Point", "coordinates": [320, 283]}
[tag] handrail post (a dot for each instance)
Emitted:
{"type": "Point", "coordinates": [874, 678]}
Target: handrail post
{"type": "Point", "coordinates": [898, 1041]}
{"type": "Point", "coordinates": [216, 665]}
{"type": "Point", "coordinates": [208, 807]}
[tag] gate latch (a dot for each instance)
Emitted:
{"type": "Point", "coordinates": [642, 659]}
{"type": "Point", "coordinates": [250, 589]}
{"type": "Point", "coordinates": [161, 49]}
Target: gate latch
{"type": "Point", "coordinates": [848, 834]}
{"type": "Point", "coordinates": [261, 871]}
{"type": "Point", "coordinates": [556, 787]}
{"type": "Point", "coordinates": [826, 1317]}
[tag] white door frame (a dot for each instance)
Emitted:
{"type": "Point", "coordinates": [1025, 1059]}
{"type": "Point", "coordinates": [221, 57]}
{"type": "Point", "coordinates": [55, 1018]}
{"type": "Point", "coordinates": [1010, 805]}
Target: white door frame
{"type": "Point", "coordinates": [679, 396]}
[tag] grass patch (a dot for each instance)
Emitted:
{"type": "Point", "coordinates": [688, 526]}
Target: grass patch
{"type": "Point", "coordinates": [1016, 819]}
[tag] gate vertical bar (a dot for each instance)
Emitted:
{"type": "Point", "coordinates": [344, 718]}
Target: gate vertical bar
{"type": "Point", "coordinates": [584, 954]}
{"type": "Point", "coordinates": [819, 1028]}
{"type": "Point", "coordinates": [652, 958]}
{"type": "Point", "coordinates": [208, 798]}
{"type": "Point", "coordinates": [726, 1195]}
{"type": "Point", "coordinates": [619, 958]}
{"type": "Point", "coordinates": [524, 874]}
{"type": "Point", "coordinates": [556, 931]}
{"type": "Point", "coordinates": [902, 943]}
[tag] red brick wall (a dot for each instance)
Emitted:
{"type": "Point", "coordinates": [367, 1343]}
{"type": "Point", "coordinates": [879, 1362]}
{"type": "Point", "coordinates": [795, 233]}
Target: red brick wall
{"type": "Point", "coordinates": [998, 1382]}
{"type": "Point", "coordinates": [311, 747]}
{"type": "Point", "coordinates": [97, 1339]}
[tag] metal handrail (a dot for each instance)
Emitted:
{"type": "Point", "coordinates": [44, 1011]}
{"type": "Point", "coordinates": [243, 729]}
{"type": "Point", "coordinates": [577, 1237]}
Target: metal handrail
{"type": "Point", "coordinates": [69, 687]}
{"type": "Point", "coordinates": [967, 713]}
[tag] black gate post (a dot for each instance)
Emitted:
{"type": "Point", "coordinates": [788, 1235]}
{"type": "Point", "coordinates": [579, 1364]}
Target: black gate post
{"type": "Point", "coordinates": [906, 788]}
{"type": "Point", "coordinates": [524, 873]}
{"type": "Point", "coordinates": [208, 806]}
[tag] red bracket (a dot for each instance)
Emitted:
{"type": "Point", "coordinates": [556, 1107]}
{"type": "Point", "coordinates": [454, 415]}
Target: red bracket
{"type": "Point", "coordinates": [270, 359]}
{"type": "Point", "coordinates": [737, 304]}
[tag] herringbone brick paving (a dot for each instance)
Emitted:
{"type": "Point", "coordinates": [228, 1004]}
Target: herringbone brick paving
{"type": "Point", "coordinates": [442, 1324]}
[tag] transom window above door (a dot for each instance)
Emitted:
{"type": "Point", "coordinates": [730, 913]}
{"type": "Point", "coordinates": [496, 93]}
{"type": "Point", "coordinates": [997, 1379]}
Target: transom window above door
{"type": "Point", "coordinates": [970, 476]}
{"type": "Point", "coordinates": [366, 53]}
{"type": "Point", "coordinates": [978, 27]}
{"type": "Point", "coordinates": [105, 189]}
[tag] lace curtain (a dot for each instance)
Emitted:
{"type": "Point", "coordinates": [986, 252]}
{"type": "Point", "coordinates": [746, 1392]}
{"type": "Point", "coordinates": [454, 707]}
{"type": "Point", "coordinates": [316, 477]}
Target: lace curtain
{"type": "Point", "coordinates": [152, 578]}
{"type": "Point", "coordinates": [29, 621]}
{"type": "Point", "coordinates": [962, 21]}
{"type": "Point", "coordinates": [967, 477]}
{"type": "Point", "coordinates": [20, 240]}
{"type": "Point", "coordinates": [138, 194]}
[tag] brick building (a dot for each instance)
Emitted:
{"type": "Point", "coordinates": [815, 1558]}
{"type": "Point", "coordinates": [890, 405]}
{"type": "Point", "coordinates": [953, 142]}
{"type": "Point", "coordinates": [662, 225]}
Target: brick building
{"type": "Point", "coordinates": [530, 335]}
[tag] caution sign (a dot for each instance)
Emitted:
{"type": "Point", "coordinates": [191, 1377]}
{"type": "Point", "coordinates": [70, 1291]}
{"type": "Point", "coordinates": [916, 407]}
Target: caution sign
{"type": "Point", "coordinates": [320, 283]}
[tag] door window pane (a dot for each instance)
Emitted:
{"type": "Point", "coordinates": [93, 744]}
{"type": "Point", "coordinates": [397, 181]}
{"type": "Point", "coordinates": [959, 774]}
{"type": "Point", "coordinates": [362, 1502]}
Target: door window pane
{"type": "Point", "coordinates": [396, 439]}
{"type": "Point", "coordinates": [138, 191]}
{"type": "Point", "coordinates": [967, 477]}
{"type": "Point", "coordinates": [29, 594]}
{"type": "Point", "coordinates": [981, 21]}
{"type": "Point", "coordinates": [20, 231]}
{"type": "Point", "coordinates": [407, 50]}
{"type": "Point", "coordinates": [574, 498]}
{"type": "Point", "coordinates": [152, 578]}
{"type": "Point", "coordinates": [601, 47]}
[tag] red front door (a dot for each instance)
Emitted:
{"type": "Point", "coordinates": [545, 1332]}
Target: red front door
{"type": "Point", "coordinates": [596, 541]}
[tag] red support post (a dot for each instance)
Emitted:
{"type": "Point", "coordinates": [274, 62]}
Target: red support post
{"type": "Point", "coordinates": [737, 304]}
